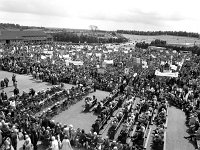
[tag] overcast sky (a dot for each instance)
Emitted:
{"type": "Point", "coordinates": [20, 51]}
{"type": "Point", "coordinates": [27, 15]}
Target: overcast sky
{"type": "Point", "coordinates": [178, 15]}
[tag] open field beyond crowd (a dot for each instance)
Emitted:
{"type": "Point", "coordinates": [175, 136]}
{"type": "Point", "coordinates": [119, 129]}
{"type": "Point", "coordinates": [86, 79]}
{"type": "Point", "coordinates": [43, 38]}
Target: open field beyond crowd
{"type": "Point", "coordinates": [168, 38]}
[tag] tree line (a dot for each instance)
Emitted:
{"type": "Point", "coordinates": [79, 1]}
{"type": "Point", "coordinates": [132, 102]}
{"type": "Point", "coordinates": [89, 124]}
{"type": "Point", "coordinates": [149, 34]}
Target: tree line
{"type": "Point", "coordinates": [85, 38]}
{"type": "Point", "coordinates": [174, 33]}
{"type": "Point", "coordinates": [7, 26]}
{"type": "Point", "coordinates": [160, 43]}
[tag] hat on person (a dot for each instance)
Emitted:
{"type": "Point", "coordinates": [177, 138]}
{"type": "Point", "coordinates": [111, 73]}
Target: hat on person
{"type": "Point", "coordinates": [115, 148]}
{"type": "Point", "coordinates": [71, 126]}
{"type": "Point", "coordinates": [15, 131]}
{"type": "Point", "coordinates": [53, 138]}
{"type": "Point", "coordinates": [95, 133]}
{"type": "Point", "coordinates": [26, 136]}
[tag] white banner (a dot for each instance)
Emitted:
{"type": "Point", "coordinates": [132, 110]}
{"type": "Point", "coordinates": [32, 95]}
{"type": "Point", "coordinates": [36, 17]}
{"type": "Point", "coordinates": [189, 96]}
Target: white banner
{"type": "Point", "coordinates": [43, 57]}
{"type": "Point", "coordinates": [108, 61]}
{"type": "Point", "coordinates": [48, 52]}
{"type": "Point", "coordinates": [166, 74]}
{"type": "Point", "coordinates": [77, 63]}
{"type": "Point", "coordinates": [173, 67]}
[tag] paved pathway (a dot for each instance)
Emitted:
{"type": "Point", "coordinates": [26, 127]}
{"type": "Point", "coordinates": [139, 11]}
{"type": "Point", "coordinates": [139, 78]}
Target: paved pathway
{"type": "Point", "coordinates": [73, 115]}
{"type": "Point", "coordinates": [25, 82]}
{"type": "Point", "coordinates": [176, 130]}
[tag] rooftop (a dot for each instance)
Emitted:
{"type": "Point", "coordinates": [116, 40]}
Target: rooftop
{"type": "Point", "coordinates": [20, 35]}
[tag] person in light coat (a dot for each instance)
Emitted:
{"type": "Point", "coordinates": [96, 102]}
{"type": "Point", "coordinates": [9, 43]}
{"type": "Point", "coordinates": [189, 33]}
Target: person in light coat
{"type": "Point", "coordinates": [54, 144]}
{"type": "Point", "coordinates": [65, 145]}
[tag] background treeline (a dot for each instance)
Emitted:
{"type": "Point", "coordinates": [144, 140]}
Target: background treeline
{"type": "Point", "coordinates": [82, 38]}
{"type": "Point", "coordinates": [160, 43]}
{"type": "Point", "coordinates": [174, 33]}
{"type": "Point", "coordinates": [8, 26]}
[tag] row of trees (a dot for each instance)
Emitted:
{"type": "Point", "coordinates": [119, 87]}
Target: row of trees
{"type": "Point", "coordinates": [194, 49]}
{"type": "Point", "coordinates": [82, 38]}
{"type": "Point", "coordinates": [174, 33]}
{"type": "Point", "coordinates": [7, 26]}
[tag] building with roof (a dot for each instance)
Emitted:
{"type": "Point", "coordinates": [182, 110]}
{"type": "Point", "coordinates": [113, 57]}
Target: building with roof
{"type": "Point", "coordinates": [24, 36]}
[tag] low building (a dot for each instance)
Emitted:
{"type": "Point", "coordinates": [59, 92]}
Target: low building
{"type": "Point", "coordinates": [24, 36]}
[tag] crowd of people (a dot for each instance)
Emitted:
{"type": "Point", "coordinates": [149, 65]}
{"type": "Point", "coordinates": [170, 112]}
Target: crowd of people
{"type": "Point", "coordinates": [136, 93]}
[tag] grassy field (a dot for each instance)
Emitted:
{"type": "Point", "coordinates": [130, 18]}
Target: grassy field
{"type": "Point", "coordinates": [170, 39]}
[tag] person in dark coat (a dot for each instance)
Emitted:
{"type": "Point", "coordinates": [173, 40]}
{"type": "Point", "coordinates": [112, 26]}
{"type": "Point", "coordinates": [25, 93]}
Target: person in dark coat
{"type": "Point", "coordinates": [16, 91]}
{"type": "Point", "coordinates": [34, 138]}
{"type": "Point", "coordinates": [6, 81]}
{"type": "Point", "coordinates": [2, 84]}
{"type": "Point", "coordinates": [14, 139]}
{"type": "Point", "coordinates": [4, 95]}
{"type": "Point", "coordinates": [14, 79]}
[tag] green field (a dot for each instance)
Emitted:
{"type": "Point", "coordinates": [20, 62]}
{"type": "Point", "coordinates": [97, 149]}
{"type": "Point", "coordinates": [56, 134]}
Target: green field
{"type": "Point", "coordinates": [170, 39]}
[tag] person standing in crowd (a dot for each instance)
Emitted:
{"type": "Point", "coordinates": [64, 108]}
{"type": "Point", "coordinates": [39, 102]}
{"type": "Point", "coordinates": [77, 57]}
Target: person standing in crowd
{"type": "Point", "coordinates": [27, 144]}
{"type": "Point", "coordinates": [16, 91]}
{"type": "Point", "coordinates": [54, 144]}
{"type": "Point", "coordinates": [34, 137]}
{"type": "Point", "coordinates": [14, 136]}
{"type": "Point", "coordinates": [14, 79]}
{"type": "Point", "coordinates": [4, 95]}
{"type": "Point", "coordinates": [7, 144]}
{"type": "Point", "coordinates": [2, 84]}
{"type": "Point", "coordinates": [6, 81]}
{"type": "Point", "coordinates": [65, 145]}
{"type": "Point", "coordinates": [13, 104]}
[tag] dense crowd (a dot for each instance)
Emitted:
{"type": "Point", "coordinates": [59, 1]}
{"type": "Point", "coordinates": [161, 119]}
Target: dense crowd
{"type": "Point", "coordinates": [136, 100]}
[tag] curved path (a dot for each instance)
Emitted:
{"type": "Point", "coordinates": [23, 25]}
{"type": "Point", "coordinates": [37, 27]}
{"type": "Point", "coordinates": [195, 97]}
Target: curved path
{"type": "Point", "coordinates": [25, 82]}
{"type": "Point", "coordinates": [73, 115]}
{"type": "Point", "coordinates": [176, 130]}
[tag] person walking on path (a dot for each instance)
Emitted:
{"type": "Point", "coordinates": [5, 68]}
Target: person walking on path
{"type": "Point", "coordinates": [14, 79]}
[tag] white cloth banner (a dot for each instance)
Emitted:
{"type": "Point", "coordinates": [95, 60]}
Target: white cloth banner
{"type": "Point", "coordinates": [43, 57]}
{"type": "Point", "coordinates": [162, 62]}
{"type": "Point", "coordinates": [153, 56]}
{"type": "Point", "coordinates": [77, 63]}
{"type": "Point", "coordinates": [98, 54]}
{"type": "Point", "coordinates": [108, 61]}
{"type": "Point", "coordinates": [115, 50]}
{"type": "Point", "coordinates": [135, 74]}
{"type": "Point", "coordinates": [173, 67]}
{"type": "Point", "coordinates": [66, 56]}
{"type": "Point", "coordinates": [89, 54]}
{"type": "Point", "coordinates": [48, 52]}
{"type": "Point", "coordinates": [166, 74]}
